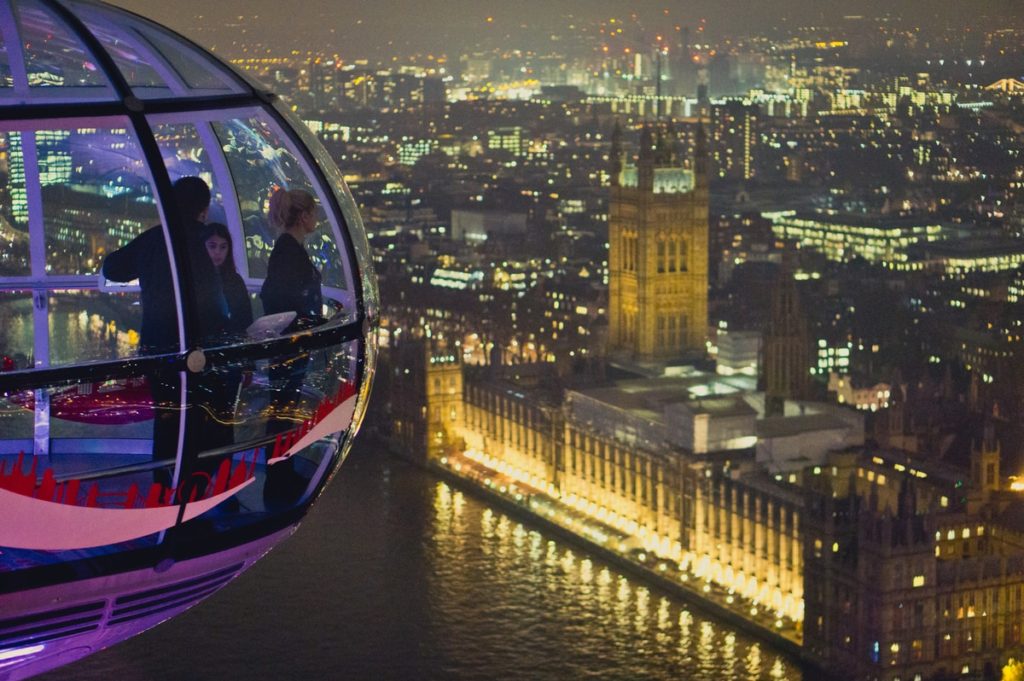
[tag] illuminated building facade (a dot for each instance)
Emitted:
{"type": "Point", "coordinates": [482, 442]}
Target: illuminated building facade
{"type": "Point", "coordinates": [913, 570]}
{"type": "Point", "coordinates": [747, 536]}
{"type": "Point", "coordinates": [665, 464]}
{"type": "Point", "coordinates": [734, 140]}
{"type": "Point", "coordinates": [843, 237]}
{"type": "Point", "coordinates": [847, 391]}
{"type": "Point", "coordinates": [509, 139]}
{"type": "Point", "coordinates": [887, 564]}
{"type": "Point", "coordinates": [658, 254]}
{"type": "Point", "coordinates": [516, 424]}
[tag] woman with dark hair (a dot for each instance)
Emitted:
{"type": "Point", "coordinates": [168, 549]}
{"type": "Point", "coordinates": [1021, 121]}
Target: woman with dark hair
{"type": "Point", "coordinates": [229, 296]}
{"type": "Point", "coordinates": [232, 297]}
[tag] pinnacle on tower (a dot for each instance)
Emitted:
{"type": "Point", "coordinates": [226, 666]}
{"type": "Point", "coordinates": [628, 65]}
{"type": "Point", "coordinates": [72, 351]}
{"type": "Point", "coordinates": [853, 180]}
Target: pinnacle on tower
{"type": "Point", "coordinates": [700, 157]}
{"type": "Point", "coordinates": [645, 161]}
{"type": "Point", "coordinates": [615, 155]}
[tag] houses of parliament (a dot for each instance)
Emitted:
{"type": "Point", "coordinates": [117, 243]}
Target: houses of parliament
{"type": "Point", "coordinates": [880, 560]}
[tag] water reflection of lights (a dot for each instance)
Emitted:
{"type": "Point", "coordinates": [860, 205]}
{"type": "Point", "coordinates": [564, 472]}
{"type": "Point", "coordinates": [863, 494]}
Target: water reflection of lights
{"type": "Point", "coordinates": [733, 589]}
{"type": "Point", "coordinates": [619, 605]}
{"type": "Point", "coordinates": [663, 614]}
{"type": "Point", "coordinates": [754, 660]}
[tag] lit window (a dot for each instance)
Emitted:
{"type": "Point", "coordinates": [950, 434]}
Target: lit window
{"type": "Point", "coordinates": [918, 580]}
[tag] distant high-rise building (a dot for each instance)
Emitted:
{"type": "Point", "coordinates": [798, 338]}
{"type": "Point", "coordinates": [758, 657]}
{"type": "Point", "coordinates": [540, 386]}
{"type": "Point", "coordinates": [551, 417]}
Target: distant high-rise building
{"type": "Point", "coordinates": [734, 140]}
{"type": "Point", "coordinates": [703, 95]}
{"type": "Point", "coordinates": [658, 254]}
{"type": "Point", "coordinates": [508, 138]}
{"type": "Point", "coordinates": [323, 82]}
{"type": "Point", "coordinates": [410, 151]}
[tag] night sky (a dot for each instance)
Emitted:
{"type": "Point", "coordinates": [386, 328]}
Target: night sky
{"type": "Point", "coordinates": [403, 27]}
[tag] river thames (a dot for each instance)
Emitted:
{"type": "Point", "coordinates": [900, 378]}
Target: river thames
{"type": "Point", "coordinates": [397, 575]}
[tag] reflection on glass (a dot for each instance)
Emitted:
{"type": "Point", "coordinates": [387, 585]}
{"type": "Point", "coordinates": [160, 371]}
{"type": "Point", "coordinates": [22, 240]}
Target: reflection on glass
{"type": "Point", "coordinates": [96, 195]}
{"type": "Point", "coordinates": [89, 326]}
{"type": "Point", "coordinates": [6, 79]}
{"type": "Point", "coordinates": [360, 245]}
{"type": "Point", "coordinates": [101, 452]}
{"type": "Point", "coordinates": [123, 48]}
{"type": "Point", "coordinates": [16, 324]}
{"type": "Point", "coordinates": [14, 241]}
{"type": "Point", "coordinates": [185, 156]}
{"type": "Point", "coordinates": [196, 71]}
{"type": "Point", "coordinates": [53, 55]}
{"type": "Point", "coordinates": [16, 422]}
{"type": "Point", "coordinates": [260, 163]}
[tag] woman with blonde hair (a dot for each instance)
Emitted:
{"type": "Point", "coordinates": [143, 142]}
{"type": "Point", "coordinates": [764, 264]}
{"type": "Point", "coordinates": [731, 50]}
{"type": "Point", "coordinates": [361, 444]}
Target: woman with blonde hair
{"type": "Point", "coordinates": [292, 285]}
{"type": "Point", "coordinates": [293, 281]}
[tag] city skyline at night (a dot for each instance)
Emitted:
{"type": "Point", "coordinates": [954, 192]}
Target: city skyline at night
{"type": "Point", "coordinates": [391, 29]}
{"type": "Point", "coordinates": [731, 299]}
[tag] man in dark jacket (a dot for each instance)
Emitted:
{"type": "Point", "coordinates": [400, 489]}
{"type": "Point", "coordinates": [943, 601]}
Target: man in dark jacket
{"type": "Point", "coordinates": [146, 258]}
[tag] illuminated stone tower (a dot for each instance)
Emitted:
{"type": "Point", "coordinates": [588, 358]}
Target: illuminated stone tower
{"type": "Point", "coordinates": [658, 252]}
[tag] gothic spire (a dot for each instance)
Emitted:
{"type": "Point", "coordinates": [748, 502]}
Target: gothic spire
{"type": "Point", "coordinates": [615, 155]}
{"type": "Point", "coordinates": [700, 157]}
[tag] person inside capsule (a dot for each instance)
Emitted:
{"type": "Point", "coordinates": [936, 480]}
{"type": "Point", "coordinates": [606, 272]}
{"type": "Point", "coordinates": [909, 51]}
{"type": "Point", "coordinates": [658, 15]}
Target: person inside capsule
{"type": "Point", "coordinates": [292, 285]}
{"type": "Point", "coordinates": [145, 258]}
{"type": "Point", "coordinates": [221, 385]}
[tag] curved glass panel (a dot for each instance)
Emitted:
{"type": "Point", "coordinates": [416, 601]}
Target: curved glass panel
{"type": "Point", "coordinates": [198, 72]}
{"type": "Point", "coordinates": [16, 353]}
{"type": "Point", "coordinates": [360, 244]}
{"type": "Point", "coordinates": [55, 58]}
{"type": "Point", "coordinates": [352, 219]}
{"type": "Point", "coordinates": [96, 194]}
{"type": "Point", "coordinates": [155, 63]}
{"type": "Point", "coordinates": [16, 330]}
{"type": "Point", "coordinates": [90, 326]}
{"type": "Point", "coordinates": [124, 47]}
{"type": "Point", "coordinates": [14, 241]}
{"type": "Point", "coordinates": [185, 155]}
{"type": "Point", "coordinates": [261, 162]}
{"type": "Point", "coordinates": [256, 437]}
{"type": "Point", "coordinates": [6, 77]}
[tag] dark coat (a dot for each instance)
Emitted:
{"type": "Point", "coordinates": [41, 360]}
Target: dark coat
{"type": "Point", "coordinates": [292, 283]}
{"type": "Point", "coordinates": [145, 258]}
{"type": "Point", "coordinates": [239, 306]}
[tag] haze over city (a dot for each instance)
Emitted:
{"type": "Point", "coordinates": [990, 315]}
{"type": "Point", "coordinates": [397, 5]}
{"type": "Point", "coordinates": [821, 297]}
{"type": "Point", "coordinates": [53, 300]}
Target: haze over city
{"type": "Point", "coordinates": [695, 331]}
{"type": "Point", "coordinates": [394, 27]}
